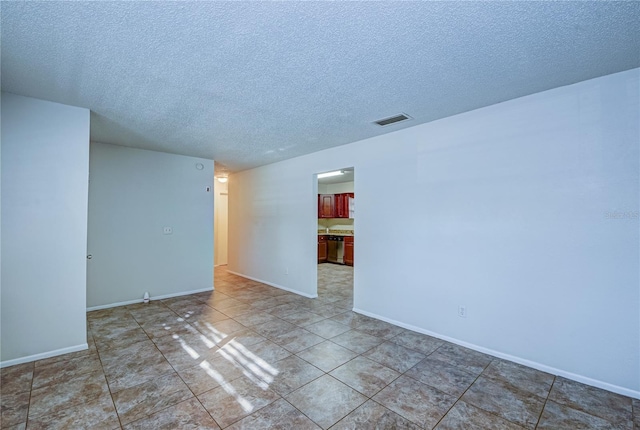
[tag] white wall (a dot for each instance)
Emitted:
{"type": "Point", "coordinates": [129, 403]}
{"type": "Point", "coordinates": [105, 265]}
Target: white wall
{"type": "Point", "coordinates": [505, 210]}
{"type": "Point", "coordinates": [45, 167]}
{"type": "Point", "coordinates": [133, 195]}
{"type": "Point", "coordinates": [341, 187]}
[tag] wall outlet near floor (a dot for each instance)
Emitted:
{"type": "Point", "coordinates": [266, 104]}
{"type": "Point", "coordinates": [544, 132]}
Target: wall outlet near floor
{"type": "Point", "coordinates": [167, 230]}
{"type": "Point", "coordinates": [462, 311]}
{"type": "Point", "coordinates": [286, 270]}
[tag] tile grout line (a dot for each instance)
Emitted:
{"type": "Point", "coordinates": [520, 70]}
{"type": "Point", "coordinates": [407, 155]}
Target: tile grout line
{"type": "Point", "coordinates": [545, 401]}
{"type": "Point", "coordinates": [26, 421]}
{"type": "Point", "coordinates": [106, 380]}
{"type": "Point", "coordinates": [464, 392]}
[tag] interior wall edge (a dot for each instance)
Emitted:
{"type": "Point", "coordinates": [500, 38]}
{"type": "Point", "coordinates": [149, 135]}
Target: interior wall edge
{"type": "Point", "coordinates": [300, 293]}
{"type": "Point", "coordinates": [538, 366]}
{"type": "Point", "coordinates": [43, 355]}
{"type": "Point", "coordinates": [153, 298]}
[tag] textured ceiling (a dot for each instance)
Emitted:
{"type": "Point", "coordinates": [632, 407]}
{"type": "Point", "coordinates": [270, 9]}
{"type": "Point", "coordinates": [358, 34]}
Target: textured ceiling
{"type": "Point", "coordinates": [250, 83]}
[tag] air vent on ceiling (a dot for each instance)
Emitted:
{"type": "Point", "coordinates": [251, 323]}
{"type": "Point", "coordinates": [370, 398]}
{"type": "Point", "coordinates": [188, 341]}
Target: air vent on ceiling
{"type": "Point", "coordinates": [392, 120]}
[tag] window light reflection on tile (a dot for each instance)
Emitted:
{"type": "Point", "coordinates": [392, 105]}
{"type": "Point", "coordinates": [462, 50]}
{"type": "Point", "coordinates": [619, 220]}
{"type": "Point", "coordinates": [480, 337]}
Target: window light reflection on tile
{"type": "Point", "coordinates": [189, 350]}
{"type": "Point", "coordinates": [207, 342]}
{"type": "Point", "coordinates": [253, 372]}
{"type": "Point", "coordinates": [244, 403]}
{"type": "Point", "coordinates": [259, 361]}
{"type": "Point", "coordinates": [217, 335]}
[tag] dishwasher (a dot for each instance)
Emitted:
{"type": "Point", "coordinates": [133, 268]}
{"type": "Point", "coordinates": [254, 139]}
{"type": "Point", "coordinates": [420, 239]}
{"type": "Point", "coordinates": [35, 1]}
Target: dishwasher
{"type": "Point", "coordinates": [335, 249]}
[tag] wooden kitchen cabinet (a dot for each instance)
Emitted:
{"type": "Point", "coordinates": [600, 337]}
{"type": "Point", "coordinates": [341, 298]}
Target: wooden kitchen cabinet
{"type": "Point", "coordinates": [348, 251]}
{"type": "Point", "coordinates": [334, 205]}
{"type": "Point", "coordinates": [342, 205]}
{"type": "Point", "coordinates": [326, 206]}
{"type": "Point", "coordinates": [322, 249]}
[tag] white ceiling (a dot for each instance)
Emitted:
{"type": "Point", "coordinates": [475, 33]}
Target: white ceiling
{"type": "Point", "coordinates": [251, 83]}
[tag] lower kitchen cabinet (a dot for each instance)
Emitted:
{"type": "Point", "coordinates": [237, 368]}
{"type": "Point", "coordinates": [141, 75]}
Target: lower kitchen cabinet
{"type": "Point", "coordinates": [322, 249]}
{"type": "Point", "coordinates": [348, 251]}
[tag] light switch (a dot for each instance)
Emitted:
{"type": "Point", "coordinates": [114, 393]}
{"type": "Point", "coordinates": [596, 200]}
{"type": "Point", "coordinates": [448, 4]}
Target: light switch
{"type": "Point", "coordinates": [167, 230]}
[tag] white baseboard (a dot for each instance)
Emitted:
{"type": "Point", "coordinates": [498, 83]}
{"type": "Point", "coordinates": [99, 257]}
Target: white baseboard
{"type": "Point", "coordinates": [44, 355]}
{"type": "Point", "coordinates": [165, 296]}
{"type": "Point", "coordinates": [113, 305]}
{"type": "Point", "coordinates": [310, 296]}
{"type": "Point", "coordinates": [542, 367]}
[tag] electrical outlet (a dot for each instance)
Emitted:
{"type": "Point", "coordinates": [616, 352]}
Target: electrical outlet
{"type": "Point", "coordinates": [167, 230]}
{"type": "Point", "coordinates": [462, 311]}
{"type": "Point", "coordinates": [286, 270]}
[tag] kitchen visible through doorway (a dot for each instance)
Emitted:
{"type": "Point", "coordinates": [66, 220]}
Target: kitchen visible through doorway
{"type": "Point", "coordinates": [336, 234]}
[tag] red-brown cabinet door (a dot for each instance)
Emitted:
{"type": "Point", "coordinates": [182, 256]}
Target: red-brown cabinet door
{"type": "Point", "coordinates": [342, 205]}
{"type": "Point", "coordinates": [339, 201]}
{"type": "Point", "coordinates": [322, 249]}
{"type": "Point", "coordinates": [348, 251]}
{"type": "Point", "coordinates": [326, 206]}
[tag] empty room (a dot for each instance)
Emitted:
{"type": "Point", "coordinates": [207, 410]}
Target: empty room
{"type": "Point", "coordinates": [320, 215]}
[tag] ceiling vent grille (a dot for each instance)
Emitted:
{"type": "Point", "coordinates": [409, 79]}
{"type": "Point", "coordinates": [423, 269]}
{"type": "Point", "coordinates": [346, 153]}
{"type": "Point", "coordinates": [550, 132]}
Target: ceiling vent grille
{"type": "Point", "coordinates": [392, 120]}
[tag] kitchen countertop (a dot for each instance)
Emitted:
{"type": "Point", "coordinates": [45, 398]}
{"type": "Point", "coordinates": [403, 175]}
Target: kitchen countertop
{"type": "Point", "coordinates": [335, 233]}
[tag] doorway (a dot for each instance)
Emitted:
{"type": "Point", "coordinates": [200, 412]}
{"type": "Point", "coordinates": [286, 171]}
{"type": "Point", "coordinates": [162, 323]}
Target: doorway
{"type": "Point", "coordinates": [336, 237]}
{"type": "Point", "coordinates": [220, 223]}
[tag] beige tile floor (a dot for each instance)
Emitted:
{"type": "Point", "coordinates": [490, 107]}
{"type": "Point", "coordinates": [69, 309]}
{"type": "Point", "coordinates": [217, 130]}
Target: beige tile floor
{"type": "Point", "coordinates": [249, 356]}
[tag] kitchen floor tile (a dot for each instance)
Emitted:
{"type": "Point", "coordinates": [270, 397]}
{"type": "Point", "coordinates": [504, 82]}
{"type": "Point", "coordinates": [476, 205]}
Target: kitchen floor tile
{"type": "Point", "coordinates": [327, 328]}
{"type": "Point", "coordinates": [139, 401]}
{"type": "Point", "coordinates": [297, 339]}
{"type": "Point", "coordinates": [506, 401]}
{"type": "Point", "coordinates": [364, 375]}
{"type": "Point", "coordinates": [140, 365]}
{"type": "Point", "coordinates": [357, 341]}
{"type": "Point", "coordinates": [594, 401]}
{"type": "Point", "coordinates": [525, 378]}
{"type": "Point", "coordinates": [326, 355]}
{"type": "Point", "coordinates": [415, 401]}
{"type": "Point", "coordinates": [189, 414]}
{"type": "Point", "coordinates": [14, 408]}
{"type": "Point", "coordinates": [235, 400]}
{"type": "Point", "coordinates": [274, 328]}
{"type": "Point", "coordinates": [278, 415]}
{"type": "Point", "coordinates": [557, 416]}
{"type": "Point", "coordinates": [372, 415]}
{"type": "Point", "coordinates": [16, 379]}
{"type": "Point", "coordinates": [337, 400]}
{"type": "Point", "coordinates": [61, 371]}
{"type": "Point", "coordinates": [394, 356]}
{"type": "Point", "coordinates": [255, 318]}
{"type": "Point", "coordinates": [468, 360]}
{"type": "Point", "coordinates": [155, 365]}
{"type": "Point", "coordinates": [463, 416]}
{"type": "Point", "coordinates": [210, 372]}
{"type": "Point", "coordinates": [350, 318]}
{"type": "Point", "coordinates": [51, 399]}
{"type": "Point", "coordinates": [292, 373]}
{"type": "Point", "coordinates": [441, 375]}
{"type": "Point", "coordinates": [266, 351]}
{"type": "Point", "coordinates": [379, 328]}
{"type": "Point", "coordinates": [418, 342]}
{"type": "Point", "coordinates": [97, 413]}
{"type": "Point", "coordinates": [303, 318]}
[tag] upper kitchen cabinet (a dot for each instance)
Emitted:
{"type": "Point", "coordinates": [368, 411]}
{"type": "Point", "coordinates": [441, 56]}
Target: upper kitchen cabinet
{"type": "Point", "coordinates": [344, 205]}
{"type": "Point", "coordinates": [335, 194]}
{"type": "Point", "coordinates": [326, 206]}
{"type": "Point", "coordinates": [335, 205]}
